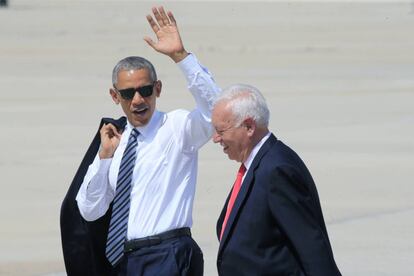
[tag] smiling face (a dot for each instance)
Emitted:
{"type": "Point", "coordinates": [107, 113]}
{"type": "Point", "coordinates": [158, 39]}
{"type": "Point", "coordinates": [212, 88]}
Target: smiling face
{"type": "Point", "coordinates": [235, 140]}
{"type": "Point", "coordinates": [139, 109]}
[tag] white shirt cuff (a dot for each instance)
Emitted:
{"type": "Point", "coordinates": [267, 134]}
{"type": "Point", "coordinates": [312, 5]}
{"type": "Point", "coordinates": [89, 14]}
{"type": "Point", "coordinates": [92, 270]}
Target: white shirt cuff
{"type": "Point", "coordinates": [189, 65]}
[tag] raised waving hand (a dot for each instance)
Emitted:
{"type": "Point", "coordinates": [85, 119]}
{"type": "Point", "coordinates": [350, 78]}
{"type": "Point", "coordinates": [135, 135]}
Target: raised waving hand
{"type": "Point", "coordinates": [168, 37]}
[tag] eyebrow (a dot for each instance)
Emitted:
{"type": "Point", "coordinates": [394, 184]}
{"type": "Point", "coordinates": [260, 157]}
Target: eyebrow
{"type": "Point", "coordinates": [135, 87]}
{"type": "Point", "coordinates": [222, 130]}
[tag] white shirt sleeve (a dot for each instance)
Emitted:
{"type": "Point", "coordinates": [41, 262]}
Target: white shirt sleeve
{"type": "Point", "coordinates": [198, 128]}
{"type": "Point", "coordinates": [95, 193]}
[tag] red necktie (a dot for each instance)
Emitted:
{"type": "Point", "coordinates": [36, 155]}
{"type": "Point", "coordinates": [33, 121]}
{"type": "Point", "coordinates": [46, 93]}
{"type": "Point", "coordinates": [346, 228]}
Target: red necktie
{"type": "Point", "coordinates": [233, 196]}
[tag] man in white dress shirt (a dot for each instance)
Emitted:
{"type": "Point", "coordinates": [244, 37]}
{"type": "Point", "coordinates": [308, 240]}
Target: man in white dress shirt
{"type": "Point", "coordinates": [157, 238]}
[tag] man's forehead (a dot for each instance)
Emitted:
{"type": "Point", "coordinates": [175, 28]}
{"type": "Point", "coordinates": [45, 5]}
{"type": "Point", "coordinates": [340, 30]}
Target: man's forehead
{"type": "Point", "coordinates": [222, 115]}
{"type": "Point", "coordinates": [133, 75]}
{"type": "Point", "coordinates": [130, 72]}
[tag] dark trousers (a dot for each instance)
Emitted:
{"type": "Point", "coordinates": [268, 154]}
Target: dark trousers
{"type": "Point", "coordinates": [174, 257]}
{"type": "Point", "coordinates": [3, 2]}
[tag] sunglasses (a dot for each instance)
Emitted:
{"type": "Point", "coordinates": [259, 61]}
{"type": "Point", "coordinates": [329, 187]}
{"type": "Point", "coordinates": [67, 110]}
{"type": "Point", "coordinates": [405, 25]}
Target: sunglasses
{"type": "Point", "coordinates": [129, 93]}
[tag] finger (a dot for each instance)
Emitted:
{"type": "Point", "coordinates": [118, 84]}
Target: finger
{"type": "Point", "coordinates": [109, 130]}
{"type": "Point", "coordinates": [150, 42]}
{"type": "Point", "coordinates": [172, 19]}
{"type": "Point", "coordinates": [108, 133]}
{"type": "Point", "coordinates": [152, 23]}
{"type": "Point", "coordinates": [102, 130]}
{"type": "Point", "coordinates": [118, 135]}
{"type": "Point", "coordinates": [105, 127]}
{"type": "Point", "coordinates": [113, 130]}
{"type": "Point", "coordinates": [105, 132]}
{"type": "Point", "coordinates": [164, 16]}
{"type": "Point", "coordinates": [158, 17]}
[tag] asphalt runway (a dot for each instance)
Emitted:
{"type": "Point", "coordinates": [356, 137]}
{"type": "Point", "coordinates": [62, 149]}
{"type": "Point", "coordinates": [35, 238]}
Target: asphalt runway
{"type": "Point", "coordinates": [338, 77]}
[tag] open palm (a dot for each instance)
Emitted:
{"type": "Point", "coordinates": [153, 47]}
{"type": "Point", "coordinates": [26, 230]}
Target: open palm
{"type": "Point", "coordinates": [165, 28]}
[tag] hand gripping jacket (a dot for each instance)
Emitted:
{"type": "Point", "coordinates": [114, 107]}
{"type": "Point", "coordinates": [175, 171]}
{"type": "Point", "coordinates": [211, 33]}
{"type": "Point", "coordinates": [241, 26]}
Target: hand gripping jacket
{"type": "Point", "coordinates": [83, 243]}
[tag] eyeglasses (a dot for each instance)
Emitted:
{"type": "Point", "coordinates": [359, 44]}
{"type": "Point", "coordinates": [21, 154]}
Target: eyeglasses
{"type": "Point", "coordinates": [129, 93]}
{"type": "Point", "coordinates": [222, 131]}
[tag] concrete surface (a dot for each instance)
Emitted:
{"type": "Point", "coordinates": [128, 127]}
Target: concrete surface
{"type": "Point", "coordinates": [338, 77]}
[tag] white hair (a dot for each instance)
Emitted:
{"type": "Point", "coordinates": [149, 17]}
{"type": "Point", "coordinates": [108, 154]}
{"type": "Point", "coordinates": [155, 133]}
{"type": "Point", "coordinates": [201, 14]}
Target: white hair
{"type": "Point", "coordinates": [245, 101]}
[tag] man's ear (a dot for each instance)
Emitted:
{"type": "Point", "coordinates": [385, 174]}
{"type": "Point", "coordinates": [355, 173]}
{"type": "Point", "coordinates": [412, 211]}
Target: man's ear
{"type": "Point", "coordinates": [158, 87]}
{"type": "Point", "coordinates": [250, 126]}
{"type": "Point", "coordinates": [114, 95]}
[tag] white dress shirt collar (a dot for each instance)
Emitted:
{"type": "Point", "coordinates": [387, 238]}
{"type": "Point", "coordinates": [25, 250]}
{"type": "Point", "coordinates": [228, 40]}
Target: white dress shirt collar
{"type": "Point", "coordinates": [149, 129]}
{"type": "Point", "coordinates": [255, 150]}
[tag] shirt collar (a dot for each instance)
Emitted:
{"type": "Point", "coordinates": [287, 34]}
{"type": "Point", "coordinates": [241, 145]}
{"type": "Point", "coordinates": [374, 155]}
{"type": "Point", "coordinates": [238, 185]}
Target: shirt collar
{"type": "Point", "coordinates": [255, 150]}
{"type": "Point", "coordinates": [149, 129]}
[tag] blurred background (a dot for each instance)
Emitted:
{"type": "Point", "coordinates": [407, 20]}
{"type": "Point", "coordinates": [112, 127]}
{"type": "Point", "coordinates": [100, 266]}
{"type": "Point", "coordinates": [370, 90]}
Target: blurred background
{"type": "Point", "coordinates": [338, 77]}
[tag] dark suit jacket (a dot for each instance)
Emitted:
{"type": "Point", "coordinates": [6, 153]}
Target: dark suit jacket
{"type": "Point", "coordinates": [276, 226]}
{"type": "Point", "coordinates": [83, 243]}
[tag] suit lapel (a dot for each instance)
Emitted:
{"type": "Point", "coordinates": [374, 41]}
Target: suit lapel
{"type": "Point", "coordinates": [244, 190]}
{"type": "Point", "coordinates": [221, 217]}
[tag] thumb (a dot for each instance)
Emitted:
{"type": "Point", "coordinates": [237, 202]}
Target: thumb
{"type": "Point", "coordinates": [150, 42]}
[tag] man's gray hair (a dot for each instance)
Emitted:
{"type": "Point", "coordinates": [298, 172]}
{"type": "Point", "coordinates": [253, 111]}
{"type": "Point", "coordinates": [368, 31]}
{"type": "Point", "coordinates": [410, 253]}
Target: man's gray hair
{"type": "Point", "coordinates": [246, 101]}
{"type": "Point", "coordinates": [133, 63]}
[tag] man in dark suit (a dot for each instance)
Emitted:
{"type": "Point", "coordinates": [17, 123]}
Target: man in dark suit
{"type": "Point", "coordinates": [272, 222]}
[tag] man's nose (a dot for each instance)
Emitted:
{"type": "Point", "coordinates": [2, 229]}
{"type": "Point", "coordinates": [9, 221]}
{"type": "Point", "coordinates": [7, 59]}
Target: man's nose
{"type": "Point", "coordinates": [137, 99]}
{"type": "Point", "coordinates": [216, 137]}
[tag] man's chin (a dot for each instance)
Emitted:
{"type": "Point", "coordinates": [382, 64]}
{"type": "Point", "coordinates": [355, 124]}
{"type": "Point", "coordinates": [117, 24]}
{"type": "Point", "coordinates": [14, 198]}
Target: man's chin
{"type": "Point", "coordinates": [230, 156]}
{"type": "Point", "coordinates": [138, 121]}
